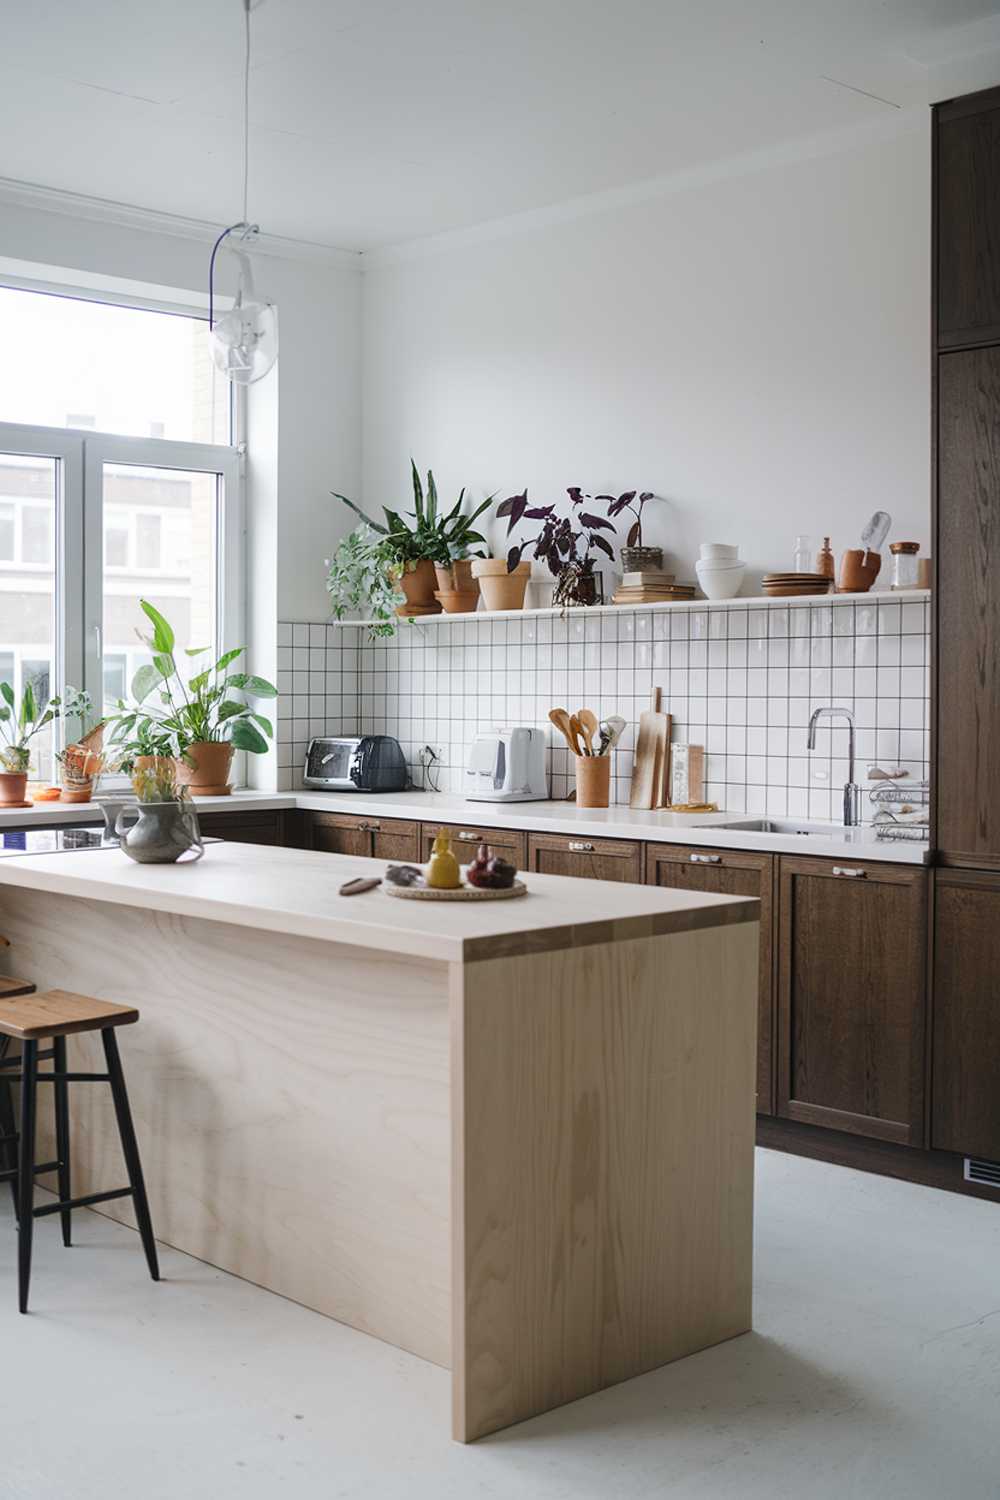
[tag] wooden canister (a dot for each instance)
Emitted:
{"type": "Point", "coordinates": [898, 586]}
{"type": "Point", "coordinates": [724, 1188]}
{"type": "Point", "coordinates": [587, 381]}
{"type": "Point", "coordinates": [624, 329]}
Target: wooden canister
{"type": "Point", "coordinates": [593, 780]}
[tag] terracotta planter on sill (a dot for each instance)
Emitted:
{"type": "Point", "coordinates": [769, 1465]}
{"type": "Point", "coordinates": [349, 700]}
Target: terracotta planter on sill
{"type": "Point", "coordinates": [457, 577]}
{"type": "Point", "coordinates": [12, 789]}
{"type": "Point", "coordinates": [418, 585]}
{"type": "Point", "coordinates": [500, 589]}
{"type": "Point", "coordinates": [205, 773]}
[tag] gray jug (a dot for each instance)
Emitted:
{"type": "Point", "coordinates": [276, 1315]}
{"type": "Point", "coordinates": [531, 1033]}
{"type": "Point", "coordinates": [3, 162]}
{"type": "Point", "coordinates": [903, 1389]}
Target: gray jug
{"type": "Point", "coordinates": [163, 832]}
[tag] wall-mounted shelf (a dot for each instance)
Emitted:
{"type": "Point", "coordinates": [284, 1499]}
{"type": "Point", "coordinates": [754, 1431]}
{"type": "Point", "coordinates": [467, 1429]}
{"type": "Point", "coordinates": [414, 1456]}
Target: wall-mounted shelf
{"type": "Point", "coordinates": [799, 601]}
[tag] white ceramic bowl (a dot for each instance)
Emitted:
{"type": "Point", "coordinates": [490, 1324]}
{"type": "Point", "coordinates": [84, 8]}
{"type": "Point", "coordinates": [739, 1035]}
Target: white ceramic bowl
{"type": "Point", "coordinates": [719, 551]}
{"type": "Point", "coordinates": [717, 565]}
{"type": "Point", "coordinates": [720, 583]}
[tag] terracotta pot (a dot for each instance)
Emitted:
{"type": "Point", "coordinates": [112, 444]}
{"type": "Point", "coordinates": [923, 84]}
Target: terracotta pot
{"type": "Point", "coordinates": [455, 602]}
{"type": "Point", "coordinates": [593, 780]}
{"type": "Point", "coordinates": [456, 579]}
{"type": "Point", "coordinates": [12, 788]}
{"type": "Point", "coordinates": [418, 586]}
{"type": "Point", "coordinates": [76, 791]}
{"type": "Point", "coordinates": [500, 589]}
{"type": "Point", "coordinates": [206, 771]}
{"type": "Point", "coordinates": [859, 570]}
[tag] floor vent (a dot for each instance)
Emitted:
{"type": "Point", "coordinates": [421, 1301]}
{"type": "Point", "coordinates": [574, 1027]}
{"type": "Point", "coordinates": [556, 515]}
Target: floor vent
{"type": "Point", "coordinates": [986, 1173]}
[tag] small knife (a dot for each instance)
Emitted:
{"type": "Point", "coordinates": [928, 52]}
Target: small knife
{"type": "Point", "coordinates": [355, 887]}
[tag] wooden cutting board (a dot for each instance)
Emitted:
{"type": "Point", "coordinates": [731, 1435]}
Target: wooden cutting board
{"type": "Point", "coordinates": [651, 763]}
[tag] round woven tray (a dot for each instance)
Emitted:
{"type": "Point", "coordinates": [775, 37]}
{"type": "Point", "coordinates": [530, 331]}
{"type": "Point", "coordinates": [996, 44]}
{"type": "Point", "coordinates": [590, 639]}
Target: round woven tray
{"type": "Point", "coordinates": [462, 893]}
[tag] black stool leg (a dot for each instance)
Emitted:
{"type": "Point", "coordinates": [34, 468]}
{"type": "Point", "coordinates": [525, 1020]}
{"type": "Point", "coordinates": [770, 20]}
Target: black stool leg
{"type": "Point", "coordinates": [26, 1172]}
{"type": "Point", "coordinates": [8, 1156]}
{"type": "Point", "coordinates": [130, 1149]}
{"type": "Point", "coordinates": [61, 1092]}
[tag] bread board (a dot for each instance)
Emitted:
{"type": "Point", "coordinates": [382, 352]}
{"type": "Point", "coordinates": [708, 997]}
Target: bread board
{"type": "Point", "coordinates": [460, 893]}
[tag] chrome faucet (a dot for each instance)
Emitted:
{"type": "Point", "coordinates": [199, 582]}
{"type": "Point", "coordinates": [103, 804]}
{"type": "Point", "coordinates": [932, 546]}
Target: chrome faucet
{"type": "Point", "coordinates": [852, 792]}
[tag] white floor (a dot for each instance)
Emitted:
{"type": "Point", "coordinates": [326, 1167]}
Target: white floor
{"type": "Point", "coordinates": [874, 1372]}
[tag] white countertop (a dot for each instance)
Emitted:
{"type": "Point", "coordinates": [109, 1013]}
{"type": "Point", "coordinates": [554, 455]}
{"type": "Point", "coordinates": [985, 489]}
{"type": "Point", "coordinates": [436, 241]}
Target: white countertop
{"type": "Point", "coordinates": [296, 892]}
{"type": "Point", "coordinates": [716, 830]}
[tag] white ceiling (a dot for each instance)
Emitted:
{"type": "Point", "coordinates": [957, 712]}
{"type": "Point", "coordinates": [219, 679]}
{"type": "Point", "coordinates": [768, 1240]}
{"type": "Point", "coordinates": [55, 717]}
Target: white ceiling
{"type": "Point", "coordinates": [378, 121]}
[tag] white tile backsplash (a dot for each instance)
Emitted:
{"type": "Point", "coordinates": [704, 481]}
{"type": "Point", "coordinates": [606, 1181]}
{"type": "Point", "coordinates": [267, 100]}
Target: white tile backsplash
{"type": "Point", "coordinates": [742, 682]}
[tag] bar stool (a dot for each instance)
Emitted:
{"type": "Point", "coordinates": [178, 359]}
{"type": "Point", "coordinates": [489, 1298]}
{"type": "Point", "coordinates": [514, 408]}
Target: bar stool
{"type": "Point", "coordinates": [28, 1018]}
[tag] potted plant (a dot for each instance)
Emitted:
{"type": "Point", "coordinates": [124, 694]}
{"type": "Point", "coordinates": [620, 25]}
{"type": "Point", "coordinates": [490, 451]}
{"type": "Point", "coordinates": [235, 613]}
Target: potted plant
{"type": "Point", "coordinates": [635, 557]}
{"type": "Point", "coordinates": [81, 762]}
{"type": "Point", "coordinates": [167, 824]}
{"type": "Point", "coordinates": [19, 723]}
{"type": "Point", "coordinates": [457, 587]}
{"type": "Point", "coordinates": [558, 544]}
{"type": "Point", "coordinates": [204, 720]}
{"type": "Point", "coordinates": [361, 579]}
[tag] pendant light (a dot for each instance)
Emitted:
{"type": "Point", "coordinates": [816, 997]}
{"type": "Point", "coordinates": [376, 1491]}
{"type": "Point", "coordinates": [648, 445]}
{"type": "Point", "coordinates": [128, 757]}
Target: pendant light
{"type": "Point", "coordinates": [244, 341]}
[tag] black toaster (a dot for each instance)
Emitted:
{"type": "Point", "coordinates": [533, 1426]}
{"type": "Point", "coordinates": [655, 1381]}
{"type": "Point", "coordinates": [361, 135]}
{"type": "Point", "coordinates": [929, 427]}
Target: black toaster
{"type": "Point", "coordinates": [356, 763]}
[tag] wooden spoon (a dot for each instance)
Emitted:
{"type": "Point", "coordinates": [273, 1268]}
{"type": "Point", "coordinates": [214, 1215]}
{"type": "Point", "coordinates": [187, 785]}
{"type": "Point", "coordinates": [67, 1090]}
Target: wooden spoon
{"type": "Point", "coordinates": [590, 727]}
{"type": "Point", "coordinates": [561, 719]}
{"type": "Point", "coordinates": [581, 734]}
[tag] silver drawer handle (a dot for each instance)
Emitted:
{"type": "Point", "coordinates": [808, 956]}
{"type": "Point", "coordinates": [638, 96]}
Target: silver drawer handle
{"type": "Point", "coordinates": [369, 827]}
{"type": "Point", "coordinates": [579, 847]}
{"type": "Point", "coordinates": [467, 837]}
{"type": "Point", "coordinates": [705, 859]}
{"type": "Point", "coordinates": [849, 873]}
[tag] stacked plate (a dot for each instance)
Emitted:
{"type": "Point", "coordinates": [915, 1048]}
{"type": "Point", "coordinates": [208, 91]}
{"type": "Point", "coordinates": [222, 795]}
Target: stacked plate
{"type": "Point", "coordinates": [788, 585]}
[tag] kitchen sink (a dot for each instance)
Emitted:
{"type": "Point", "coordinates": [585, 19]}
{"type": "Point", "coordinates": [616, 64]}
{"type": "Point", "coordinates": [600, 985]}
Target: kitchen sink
{"type": "Point", "coordinates": [790, 826]}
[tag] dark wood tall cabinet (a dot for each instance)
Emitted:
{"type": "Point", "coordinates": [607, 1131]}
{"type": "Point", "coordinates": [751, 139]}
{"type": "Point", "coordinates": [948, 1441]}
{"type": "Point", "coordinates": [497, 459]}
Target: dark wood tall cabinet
{"type": "Point", "coordinates": [965, 951]}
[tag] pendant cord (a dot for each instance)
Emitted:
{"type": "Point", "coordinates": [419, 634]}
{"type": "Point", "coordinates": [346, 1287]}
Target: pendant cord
{"type": "Point", "coordinates": [246, 107]}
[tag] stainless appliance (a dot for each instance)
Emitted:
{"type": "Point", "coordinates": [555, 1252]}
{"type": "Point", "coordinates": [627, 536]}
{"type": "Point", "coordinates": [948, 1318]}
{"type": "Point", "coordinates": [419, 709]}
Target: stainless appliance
{"type": "Point", "coordinates": [356, 763]}
{"type": "Point", "coordinates": [507, 765]}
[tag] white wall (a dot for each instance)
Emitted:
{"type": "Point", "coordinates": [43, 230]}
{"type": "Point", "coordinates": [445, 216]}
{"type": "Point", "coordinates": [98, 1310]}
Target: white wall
{"type": "Point", "coordinates": [308, 411]}
{"type": "Point", "coordinates": [755, 349]}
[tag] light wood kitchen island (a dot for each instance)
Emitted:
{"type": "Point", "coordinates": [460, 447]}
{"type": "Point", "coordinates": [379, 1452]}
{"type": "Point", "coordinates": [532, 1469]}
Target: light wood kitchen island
{"type": "Point", "coordinates": [514, 1138]}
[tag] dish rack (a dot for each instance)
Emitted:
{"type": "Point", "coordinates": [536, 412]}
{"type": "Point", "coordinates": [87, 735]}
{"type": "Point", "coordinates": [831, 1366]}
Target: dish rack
{"type": "Point", "coordinates": [891, 827]}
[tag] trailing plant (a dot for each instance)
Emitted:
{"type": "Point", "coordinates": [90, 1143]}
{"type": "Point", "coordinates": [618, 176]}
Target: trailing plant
{"type": "Point", "coordinates": [210, 707]}
{"type": "Point", "coordinates": [361, 578]}
{"type": "Point", "coordinates": [559, 542]}
{"type": "Point", "coordinates": [434, 536]}
{"type": "Point", "coordinates": [630, 501]}
{"type": "Point", "coordinates": [20, 722]}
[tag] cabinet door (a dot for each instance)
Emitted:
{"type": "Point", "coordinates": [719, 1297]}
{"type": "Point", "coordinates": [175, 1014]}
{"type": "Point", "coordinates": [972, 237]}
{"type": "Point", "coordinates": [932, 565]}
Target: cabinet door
{"type": "Point", "coordinates": [968, 221]}
{"type": "Point", "coordinates": [240, 827]}
{"type": "Point", "coordinates": [968, 608]}
{"type": "Point", "coordinates": [507, 842]}
{"type": "Point", "coordinates": [341, 833]}
{"type": "Point", "coordinates": [965, 1112]}
{"type": "Point", "coordinates": [594, 859]}
{"type": "Point", "coordinates": [851, 989]}
{"type": "Point", "coordinates": [394, 838]}
{"type": "Point", "coordinates": [728, 872]}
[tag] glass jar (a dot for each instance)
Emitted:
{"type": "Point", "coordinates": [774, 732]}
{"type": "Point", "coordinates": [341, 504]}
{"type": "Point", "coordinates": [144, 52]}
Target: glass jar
{"type": "Point", "coordinates": [904, 564]}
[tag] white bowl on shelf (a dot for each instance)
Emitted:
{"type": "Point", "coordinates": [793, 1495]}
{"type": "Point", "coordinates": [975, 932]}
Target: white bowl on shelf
{"type": "Point", "coordinates": [720, 580]}
{"type": "Point", "coordinates": [719, 552]}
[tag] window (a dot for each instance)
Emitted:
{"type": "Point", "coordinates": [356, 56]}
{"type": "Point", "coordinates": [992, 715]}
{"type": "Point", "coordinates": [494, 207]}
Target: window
{"type": "Point", "coordinates": [92, 521]}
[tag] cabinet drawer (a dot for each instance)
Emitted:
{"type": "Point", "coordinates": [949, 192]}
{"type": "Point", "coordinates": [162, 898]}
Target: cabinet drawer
{"type": "Point", "coordinates": [731, 872]}
{"type": "Point", "coordinates": [465, 837]}
{"type": "Point", "coordinates": [366, 834]}
{"type": "Point", "coordinates": [593, 859]}
{"type": "Point", "coordinates": [241, 828]}
{"type": "Point", "coordinates": [851, 988]}
{"type": "Point", "coordinates": [394, 838]}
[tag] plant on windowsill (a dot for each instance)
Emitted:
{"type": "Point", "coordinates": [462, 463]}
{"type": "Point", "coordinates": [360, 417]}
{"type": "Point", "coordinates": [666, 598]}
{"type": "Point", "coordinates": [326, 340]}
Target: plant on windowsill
{"type": "Point", "coordinates": [558, 544]}
{"type": "Point", "coordinates": [409, 553]}
{"type": "Point", "coordinates": [19, 723]}
{"type": "Point", "coordinates": [81, 762]}
{"type": "Point", "coordinates": [203, 720]}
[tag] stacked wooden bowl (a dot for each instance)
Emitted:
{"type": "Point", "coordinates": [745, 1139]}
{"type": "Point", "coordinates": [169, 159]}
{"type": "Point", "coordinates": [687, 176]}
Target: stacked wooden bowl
{"type": "Point", "coordinates": [790, 585]}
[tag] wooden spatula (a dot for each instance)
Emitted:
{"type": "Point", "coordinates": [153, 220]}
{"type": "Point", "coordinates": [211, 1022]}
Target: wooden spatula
{"type": "Point", "coordinates": [564, 723]}
{"type": "Point", "coordinates": [589, 727]}
{"type": "Point", "coordinates": [651, 752]}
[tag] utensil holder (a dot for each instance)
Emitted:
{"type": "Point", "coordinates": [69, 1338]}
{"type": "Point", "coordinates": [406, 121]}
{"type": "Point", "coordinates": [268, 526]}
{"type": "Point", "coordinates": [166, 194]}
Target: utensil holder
{"type": "Point", "coordinates": [593, 780]}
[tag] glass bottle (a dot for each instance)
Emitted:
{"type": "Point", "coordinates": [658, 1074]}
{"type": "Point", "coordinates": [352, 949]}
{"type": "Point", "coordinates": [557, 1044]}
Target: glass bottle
{"type": "Point", "coordinates": [904, 564]}
{"type": "Point", "coordinates": [802, 561]}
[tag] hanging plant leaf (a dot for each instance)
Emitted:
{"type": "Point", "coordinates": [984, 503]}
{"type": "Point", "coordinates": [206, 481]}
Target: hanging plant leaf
{"type": "Point", "coordinates": [603, 545]}
{"type": "Point", "coordinates": [575, 494]}
{"type": "Point", "coordinates": [634, 538]}
{"type": "Point", "coordinates": [595, 522]}
{"type": "Point", "coordinates": [513, 558]}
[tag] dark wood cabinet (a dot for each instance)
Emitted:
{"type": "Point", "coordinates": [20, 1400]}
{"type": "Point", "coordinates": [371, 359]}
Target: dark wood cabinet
{"type": "Point", "coordinates": [968, 609]}
{"type": "Point", "coordinates": [965, 1093]}
{"type": "Point", "coordinates": [730, 872]}
{"type": "Point", "coordinates": [851, 996]}
{"type": "Point", "coordinates": [466, 837]}
{"type": "Point", "coordinates": [967, 171]}
{"type": "Point", "coordinates": [592, 859]}
{"type": "Point", "coordinates": [242, 827]}
{"type": "Point", "coordinates": [366, 835]}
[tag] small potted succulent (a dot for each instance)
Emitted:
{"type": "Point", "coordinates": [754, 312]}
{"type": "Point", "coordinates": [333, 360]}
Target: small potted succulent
{"type": "Point", "coordinates": [635, 557]}
{"type": "Point", "coordinates": [81, 762]}
{"type": "Point", "coordinates": [19, 723]}
{"type": "Point", "coordinates": [568, 550]}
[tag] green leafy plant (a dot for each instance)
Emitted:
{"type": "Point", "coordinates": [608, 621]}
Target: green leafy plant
{"type": "Point", "coordinates": [20, 722]}
{"type": "Point", "coordinates": [361, 579]}
{"type": "Point", "coordinates": [211, 706]}
{"type": "Point", "coordinates": [434, 535]}
{"type": "Point", "coordinates": [158, 783]}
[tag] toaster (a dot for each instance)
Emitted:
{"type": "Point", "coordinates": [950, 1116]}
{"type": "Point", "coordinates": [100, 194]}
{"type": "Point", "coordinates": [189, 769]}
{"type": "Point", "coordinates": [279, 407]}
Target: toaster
{"type": "Point", "coordinates": [507, 765]}
{"type": "Point", "coordinates": [357, 763]}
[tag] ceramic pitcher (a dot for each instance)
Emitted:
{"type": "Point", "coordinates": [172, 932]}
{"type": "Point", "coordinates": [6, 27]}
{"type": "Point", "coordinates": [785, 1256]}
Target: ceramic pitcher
{"type": "Point", "coordinates": [163, 832]}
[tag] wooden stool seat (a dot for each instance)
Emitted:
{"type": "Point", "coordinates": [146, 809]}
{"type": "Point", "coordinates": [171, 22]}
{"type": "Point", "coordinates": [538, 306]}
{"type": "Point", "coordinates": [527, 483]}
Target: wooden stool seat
{"type": "Point", "coordinates": [58, 1013]}
{"type": "Point", "coordinates": [11, 987]}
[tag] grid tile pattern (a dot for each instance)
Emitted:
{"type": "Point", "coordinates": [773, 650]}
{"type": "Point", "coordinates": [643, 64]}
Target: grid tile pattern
{"type": "Point", "coordinates": [740, 681]}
